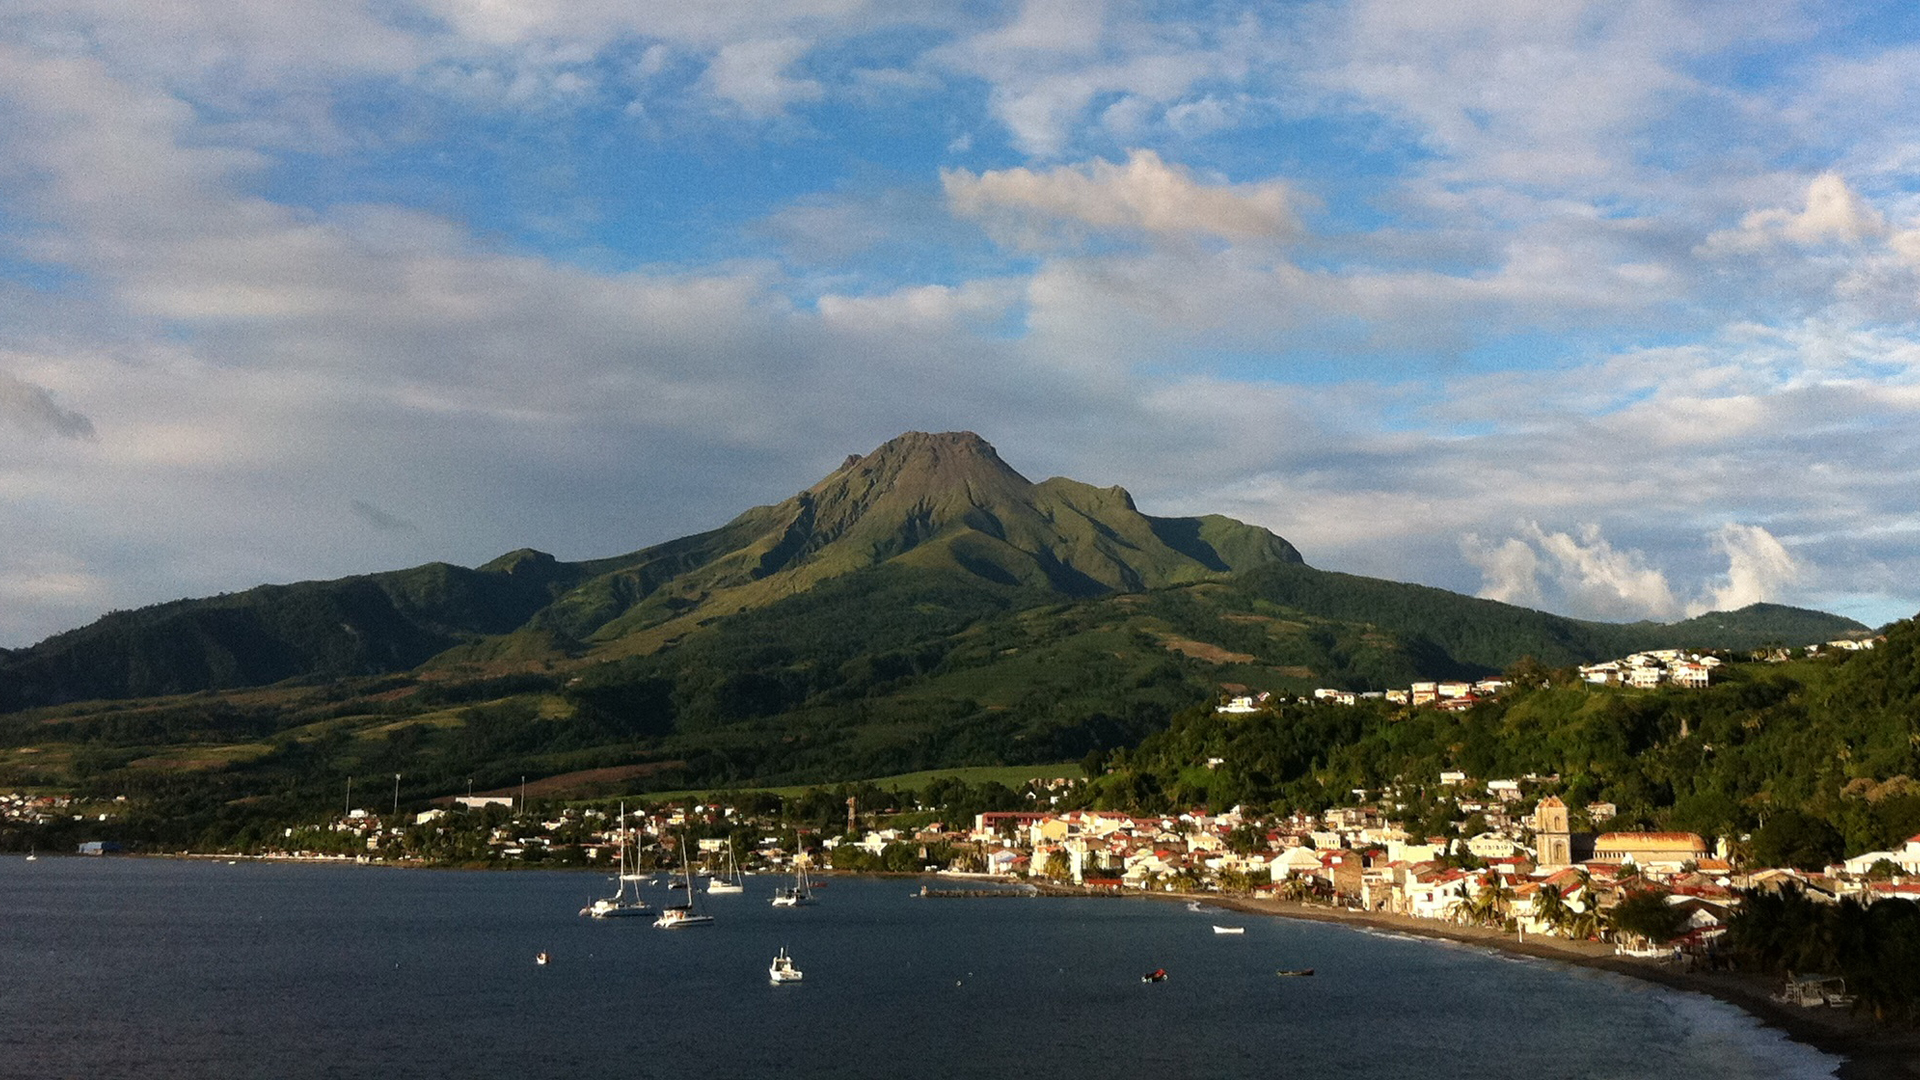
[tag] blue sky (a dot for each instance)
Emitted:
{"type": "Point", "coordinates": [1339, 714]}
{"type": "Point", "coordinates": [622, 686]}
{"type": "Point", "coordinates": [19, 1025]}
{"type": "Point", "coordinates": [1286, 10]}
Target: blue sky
{"type": "Point", "coordinates": [1609, 309]}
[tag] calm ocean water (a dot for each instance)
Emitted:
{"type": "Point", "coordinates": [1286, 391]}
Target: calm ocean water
{"type": "Point", "coordinates": [155, 968]}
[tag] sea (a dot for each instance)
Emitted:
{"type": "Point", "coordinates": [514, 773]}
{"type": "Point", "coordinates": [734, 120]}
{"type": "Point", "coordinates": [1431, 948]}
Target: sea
{"type": "Point", "coordinates": [158, 968]}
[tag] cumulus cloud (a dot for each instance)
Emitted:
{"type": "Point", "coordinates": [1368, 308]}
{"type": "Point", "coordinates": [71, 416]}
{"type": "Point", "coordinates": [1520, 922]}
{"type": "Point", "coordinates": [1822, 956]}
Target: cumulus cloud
{"type": "Point", "coordinates": [1833, 213]}
{"type": "Point", "coordinates": [1509, 570]}
{"type": "Point", "coordinates": [1144, 195]}
{"type": "Point", "coordinates": [1582, 572]}
{"type": "Point", "coordinates": [32, 409]}
{"type": "Point", "coordinates": [1759, 568]}
{"type": "Point", "coordinates": [1597, 577]}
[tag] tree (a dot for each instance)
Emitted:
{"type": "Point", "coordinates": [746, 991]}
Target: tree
{"type": "Point", "coordinates": [1550, 908]}
{"type": "Point", "coordinates": [1646, 914]}
{"type": "Point", "coordinates": [1058, 866]}
{"type": "Point", "coordinates": [1489, 906]}
{"type": "Point", "coordinates": [1796, 839]}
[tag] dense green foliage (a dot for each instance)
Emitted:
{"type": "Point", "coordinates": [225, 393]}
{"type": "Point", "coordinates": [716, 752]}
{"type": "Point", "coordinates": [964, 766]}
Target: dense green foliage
{"type": "Point", "coordinates": [1875, 947]}
{"type": "Point", "coordinates": [1811, 758]}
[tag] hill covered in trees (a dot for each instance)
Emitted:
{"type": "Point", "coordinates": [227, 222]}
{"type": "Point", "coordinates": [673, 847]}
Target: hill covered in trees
{"type": "Point", "coordinates": [1812, 759]}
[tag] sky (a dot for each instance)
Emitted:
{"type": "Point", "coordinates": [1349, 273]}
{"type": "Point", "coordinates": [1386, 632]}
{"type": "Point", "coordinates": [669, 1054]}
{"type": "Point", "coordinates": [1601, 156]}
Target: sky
{"type": "Point", "coordinates": [1608, 309]}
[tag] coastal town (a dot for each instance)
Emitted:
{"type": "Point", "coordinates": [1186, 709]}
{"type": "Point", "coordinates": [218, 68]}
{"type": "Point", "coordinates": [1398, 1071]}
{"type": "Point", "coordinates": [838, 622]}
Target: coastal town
{"type": "Point", "coordinates": [1516, 862]}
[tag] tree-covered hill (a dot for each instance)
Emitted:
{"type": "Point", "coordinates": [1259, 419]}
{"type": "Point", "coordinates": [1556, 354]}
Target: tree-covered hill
{"type": "Point", "coordinates": [1814, 758]}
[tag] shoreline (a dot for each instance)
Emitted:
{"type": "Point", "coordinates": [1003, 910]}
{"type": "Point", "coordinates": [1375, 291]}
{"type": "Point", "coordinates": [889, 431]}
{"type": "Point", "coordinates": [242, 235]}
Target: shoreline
{"type": "Point", "coordinates": [1869, 1051]}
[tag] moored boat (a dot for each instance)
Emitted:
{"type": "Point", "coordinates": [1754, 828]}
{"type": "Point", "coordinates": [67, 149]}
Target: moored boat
{"type": "Point", "coordinates": [1229, 929]}
{"type": "Point", "coordinates": [782, 969]}
{"type": "Point", "coordinates": [801, 893]}
{"type": "Point", "coordinates": [625, 902]}
{"type": "Point", "coordinates": [731, 883]}
{"type": "Point", "coordinates": [681, 917]}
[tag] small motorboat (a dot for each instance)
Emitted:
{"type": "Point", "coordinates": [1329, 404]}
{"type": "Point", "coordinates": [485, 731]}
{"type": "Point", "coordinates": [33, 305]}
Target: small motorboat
{"type": "Point", "coordinates": [540, 958]}
{"type": "Point", "coordinates": [782, 969]}
{"type": "Point", "coordinates": [1156, 975]}
{"type": "Point", "coordinates": [1229, 929]}
{"type": "Point", "coordinates": [1287, 973]}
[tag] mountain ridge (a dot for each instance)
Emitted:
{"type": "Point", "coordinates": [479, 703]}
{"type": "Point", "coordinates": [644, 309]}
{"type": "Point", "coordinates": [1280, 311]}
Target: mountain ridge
{"type": "Point", "coordinates": [941, 505]}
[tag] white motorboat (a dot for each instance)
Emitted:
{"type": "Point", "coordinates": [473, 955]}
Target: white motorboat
{"type": "Point", "coordinates": [1229, 929]}
{"type": "Point", "coordinates": [782, 969]}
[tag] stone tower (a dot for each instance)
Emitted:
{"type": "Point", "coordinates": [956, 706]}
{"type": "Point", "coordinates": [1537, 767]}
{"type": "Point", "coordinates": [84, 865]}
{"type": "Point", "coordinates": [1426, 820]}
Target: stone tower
{"type": "Point", "coordinates": [1552, 835]}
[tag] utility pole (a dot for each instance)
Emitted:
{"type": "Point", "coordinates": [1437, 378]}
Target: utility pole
{"type": "Point", "coordinates": [396, 795]}
{"type": "Point", "coordinates": [349, 807]}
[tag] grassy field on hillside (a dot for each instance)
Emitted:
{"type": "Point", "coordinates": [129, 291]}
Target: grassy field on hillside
{"type": "Point", "coordinates": [1011, 776]}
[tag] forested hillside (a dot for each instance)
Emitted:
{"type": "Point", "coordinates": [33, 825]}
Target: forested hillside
{"type": "Point", "coordinates": [1813, 758]}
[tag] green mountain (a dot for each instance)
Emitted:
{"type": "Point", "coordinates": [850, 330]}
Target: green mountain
{"type": "Point", "coordinates": [923, 606]}
{"type": "Point", "coordinates": [943, 510]}
{"type": "Point", "coordinates": [936, 503]}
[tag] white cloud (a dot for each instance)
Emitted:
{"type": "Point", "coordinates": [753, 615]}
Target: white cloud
{"type": "Point", "coordinates": [1144, 195]}
{"type": "Point", "coordinates": [1598, 578]}
{"type": "Point", "coordinates": [1833, 213]}
{"type": "Point", "coordinates": [1049, 66]}
{"type": "Point", "coordinates": [1510, 570]}
{"type": "Point", "coordinates": [753, 75]}
{"type": "Point", "coordinates": [1584, 573]}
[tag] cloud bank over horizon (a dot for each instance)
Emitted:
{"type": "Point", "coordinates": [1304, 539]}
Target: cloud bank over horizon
{"type": "Point", "coordinates": [1610, 309]}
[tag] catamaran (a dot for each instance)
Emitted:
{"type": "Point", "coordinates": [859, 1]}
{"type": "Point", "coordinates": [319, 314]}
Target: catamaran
{"type": "Point", "coordinates": [801, 893]}
{"type": "Point", "coordinates": [675, 918]}
{"type": "Point", "coordinates": [782, 969]}
{"type": "Point", "coordinates": [623, 903]}
{"type": "Point", "coordinates": [731, 883]}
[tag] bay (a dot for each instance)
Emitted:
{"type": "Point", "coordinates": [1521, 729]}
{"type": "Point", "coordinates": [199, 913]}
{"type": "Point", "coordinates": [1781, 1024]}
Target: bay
{"type": "Point", "coordinates": [174, 968]}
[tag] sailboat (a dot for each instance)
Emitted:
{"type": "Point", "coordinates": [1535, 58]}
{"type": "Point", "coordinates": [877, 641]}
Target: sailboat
{"type": "Point", "coordinates": [782, 969]}
{"type": "Point", "coordinates": [675, 918]}
{"type": "Point", "coordinates": [623, 903]}
{"type": "Point", "coordinates": [801, 893]}
{"type": "Point", "coordinates": [731, 883]}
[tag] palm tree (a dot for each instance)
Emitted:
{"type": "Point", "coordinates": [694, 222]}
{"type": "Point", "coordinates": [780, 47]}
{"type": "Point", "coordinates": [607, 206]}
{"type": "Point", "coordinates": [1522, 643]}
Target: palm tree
{"type": "Point", "coordinates": [1490, 907]}
{"type": "Point", "coordinates": [1550, 908]}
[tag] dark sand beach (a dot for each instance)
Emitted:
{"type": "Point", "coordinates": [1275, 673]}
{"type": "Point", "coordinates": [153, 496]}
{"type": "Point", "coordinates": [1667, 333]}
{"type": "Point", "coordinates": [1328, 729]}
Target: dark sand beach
{"type": "Point", "coordinates": [1872, 1051]}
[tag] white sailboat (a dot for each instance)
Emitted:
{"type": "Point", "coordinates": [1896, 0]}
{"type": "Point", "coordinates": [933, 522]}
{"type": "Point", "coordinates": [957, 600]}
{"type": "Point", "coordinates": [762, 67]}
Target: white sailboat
{"type": "Point", "coordinates": [676, 918]}
{"type": "Point", "coordinates": [731, 883]}
{"type": "Point", "coordinates": [782, 969]}
{"type": "Point", "coordinates": [624, 903]}
{"type": "Point", "coordinates": [801, 893]}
